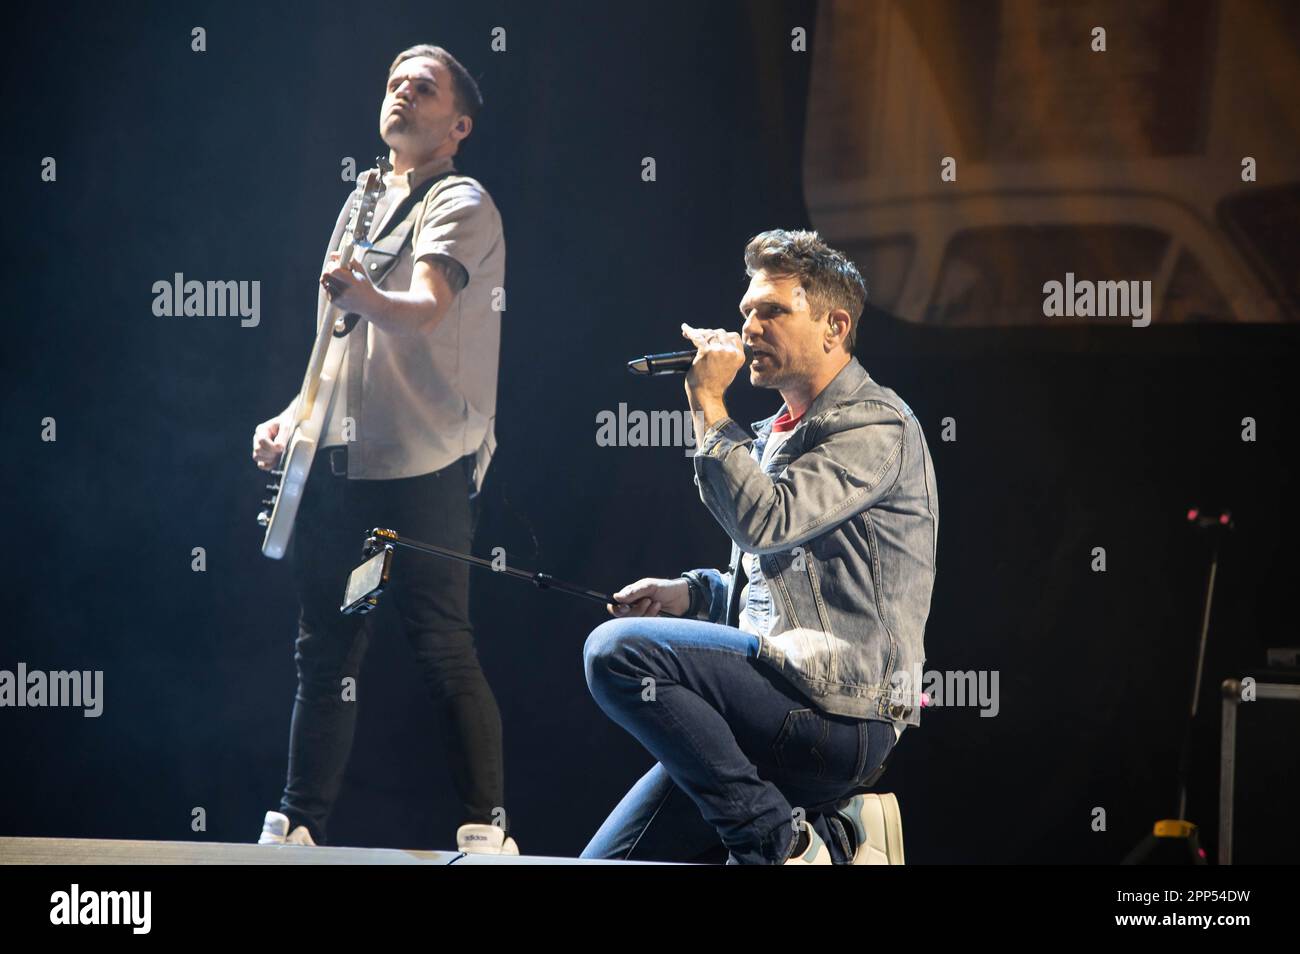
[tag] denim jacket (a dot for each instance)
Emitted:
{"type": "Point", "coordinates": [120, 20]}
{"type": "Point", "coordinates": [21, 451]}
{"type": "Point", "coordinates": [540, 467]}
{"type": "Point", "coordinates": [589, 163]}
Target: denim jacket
{"type": "Point", "coordinates": [845, 522]}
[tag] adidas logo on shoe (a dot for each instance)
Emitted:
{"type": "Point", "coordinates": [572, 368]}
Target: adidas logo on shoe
{"type": "Point", "coordinates": [484, 840]}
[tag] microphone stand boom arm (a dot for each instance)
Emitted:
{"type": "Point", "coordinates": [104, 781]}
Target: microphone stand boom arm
{"type": "Point", "coordinates": [381, 538]}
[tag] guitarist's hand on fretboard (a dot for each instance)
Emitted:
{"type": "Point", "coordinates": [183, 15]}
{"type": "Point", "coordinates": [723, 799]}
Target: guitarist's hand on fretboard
{"type": "Point", "coordinates": [349, 287]}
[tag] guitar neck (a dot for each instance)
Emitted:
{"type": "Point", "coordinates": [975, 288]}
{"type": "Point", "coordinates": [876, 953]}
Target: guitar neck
{"type": "Point", "coordinates": [324, 334]}
{"type": "Point", "coordinates": [363, 210]}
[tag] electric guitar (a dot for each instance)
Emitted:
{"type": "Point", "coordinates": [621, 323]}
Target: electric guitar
{"type": "Point", "coordinates": [318, 384]}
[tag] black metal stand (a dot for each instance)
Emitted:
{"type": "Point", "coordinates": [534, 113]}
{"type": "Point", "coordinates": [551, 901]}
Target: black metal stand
{"type": "Point", "coordinates": [1185, 757]}
{"type": "Point", "coordinates": [1176, 841]}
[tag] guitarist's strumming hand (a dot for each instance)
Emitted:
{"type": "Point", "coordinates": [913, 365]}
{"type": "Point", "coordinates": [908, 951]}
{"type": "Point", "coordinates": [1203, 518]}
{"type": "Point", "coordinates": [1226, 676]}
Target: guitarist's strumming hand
{"type": "Point", "coordinates": [268, 443]}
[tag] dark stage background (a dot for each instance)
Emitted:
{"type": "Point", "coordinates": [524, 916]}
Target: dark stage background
{"type": "Point", "coordinates": [225, 165]}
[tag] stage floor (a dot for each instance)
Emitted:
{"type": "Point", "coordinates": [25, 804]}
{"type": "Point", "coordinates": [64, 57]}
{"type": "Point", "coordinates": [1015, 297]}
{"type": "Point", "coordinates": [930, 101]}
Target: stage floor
{"type": "Point", "coordinates": [106, 851]}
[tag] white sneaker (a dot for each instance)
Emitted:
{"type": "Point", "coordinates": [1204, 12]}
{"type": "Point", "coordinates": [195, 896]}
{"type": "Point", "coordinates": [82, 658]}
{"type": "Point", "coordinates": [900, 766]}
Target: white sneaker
{"type": "Point", "coordinates": [484, 840]}
{"type": "Point", "coordinates": [815, 854]}
{"type": "Point", "coordinates": [877, 828]}
{"type": "Point", "coordinates": [275, 831]}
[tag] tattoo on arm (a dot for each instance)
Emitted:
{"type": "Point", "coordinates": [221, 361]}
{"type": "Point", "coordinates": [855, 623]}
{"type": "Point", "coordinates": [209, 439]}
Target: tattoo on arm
{"type": "Point", "coordinates": [452, 270]}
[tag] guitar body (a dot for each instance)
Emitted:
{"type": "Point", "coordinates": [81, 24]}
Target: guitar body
{"type": "Point", "coordinates": [317, 388]}
{"type": "Point", "coordinates": [295, 465]}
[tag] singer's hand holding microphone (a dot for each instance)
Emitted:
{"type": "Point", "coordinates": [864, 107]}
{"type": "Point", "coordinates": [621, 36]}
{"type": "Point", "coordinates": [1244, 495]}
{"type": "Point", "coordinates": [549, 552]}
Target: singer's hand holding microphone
{"type": "Point", "coordinates": [674, 362]}
{"type": "Point", "coordinates": [720, 355]}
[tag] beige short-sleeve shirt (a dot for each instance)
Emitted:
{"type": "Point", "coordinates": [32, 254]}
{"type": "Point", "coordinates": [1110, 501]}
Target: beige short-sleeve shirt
{"type": "Point", "coordinates": [420, 404]}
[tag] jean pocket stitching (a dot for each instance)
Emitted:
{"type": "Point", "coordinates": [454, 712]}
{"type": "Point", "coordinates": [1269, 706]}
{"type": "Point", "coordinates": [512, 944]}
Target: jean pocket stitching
{"type": "Point", "coordinates": [864, 750]}
{"type": "Point", "coordinates": [794, 720]}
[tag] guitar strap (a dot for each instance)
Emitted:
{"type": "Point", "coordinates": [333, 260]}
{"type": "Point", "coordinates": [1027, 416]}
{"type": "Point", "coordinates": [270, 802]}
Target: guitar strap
{"type": "Point", "coordinates": [387, 246]}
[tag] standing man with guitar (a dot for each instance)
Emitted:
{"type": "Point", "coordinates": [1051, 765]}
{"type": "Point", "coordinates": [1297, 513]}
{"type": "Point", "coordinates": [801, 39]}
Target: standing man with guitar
{"type": "Point", "coordinates": [409, 330]}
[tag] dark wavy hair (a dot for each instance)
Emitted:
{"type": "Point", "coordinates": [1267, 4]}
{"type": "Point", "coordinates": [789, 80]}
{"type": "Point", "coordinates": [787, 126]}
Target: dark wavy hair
{"type": "Point", "coordinates": [830, 278]}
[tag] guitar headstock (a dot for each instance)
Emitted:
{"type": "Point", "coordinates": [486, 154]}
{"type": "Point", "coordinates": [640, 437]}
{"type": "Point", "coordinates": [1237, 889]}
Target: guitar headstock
{"type": "Point", "coordinates": [363, 209]}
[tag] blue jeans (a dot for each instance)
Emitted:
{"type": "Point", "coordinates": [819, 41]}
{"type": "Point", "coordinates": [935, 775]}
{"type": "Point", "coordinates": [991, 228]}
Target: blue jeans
{"type": "Point", "coordinates": [742, 756]}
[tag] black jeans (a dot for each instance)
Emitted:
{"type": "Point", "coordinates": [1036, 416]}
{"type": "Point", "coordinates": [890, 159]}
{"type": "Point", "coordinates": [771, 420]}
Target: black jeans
{"type": "Point", "coordinates": [431, 596]}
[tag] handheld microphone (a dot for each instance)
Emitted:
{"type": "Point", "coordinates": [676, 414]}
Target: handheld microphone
{"type": "Point", "coordinates": [671, 362]}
